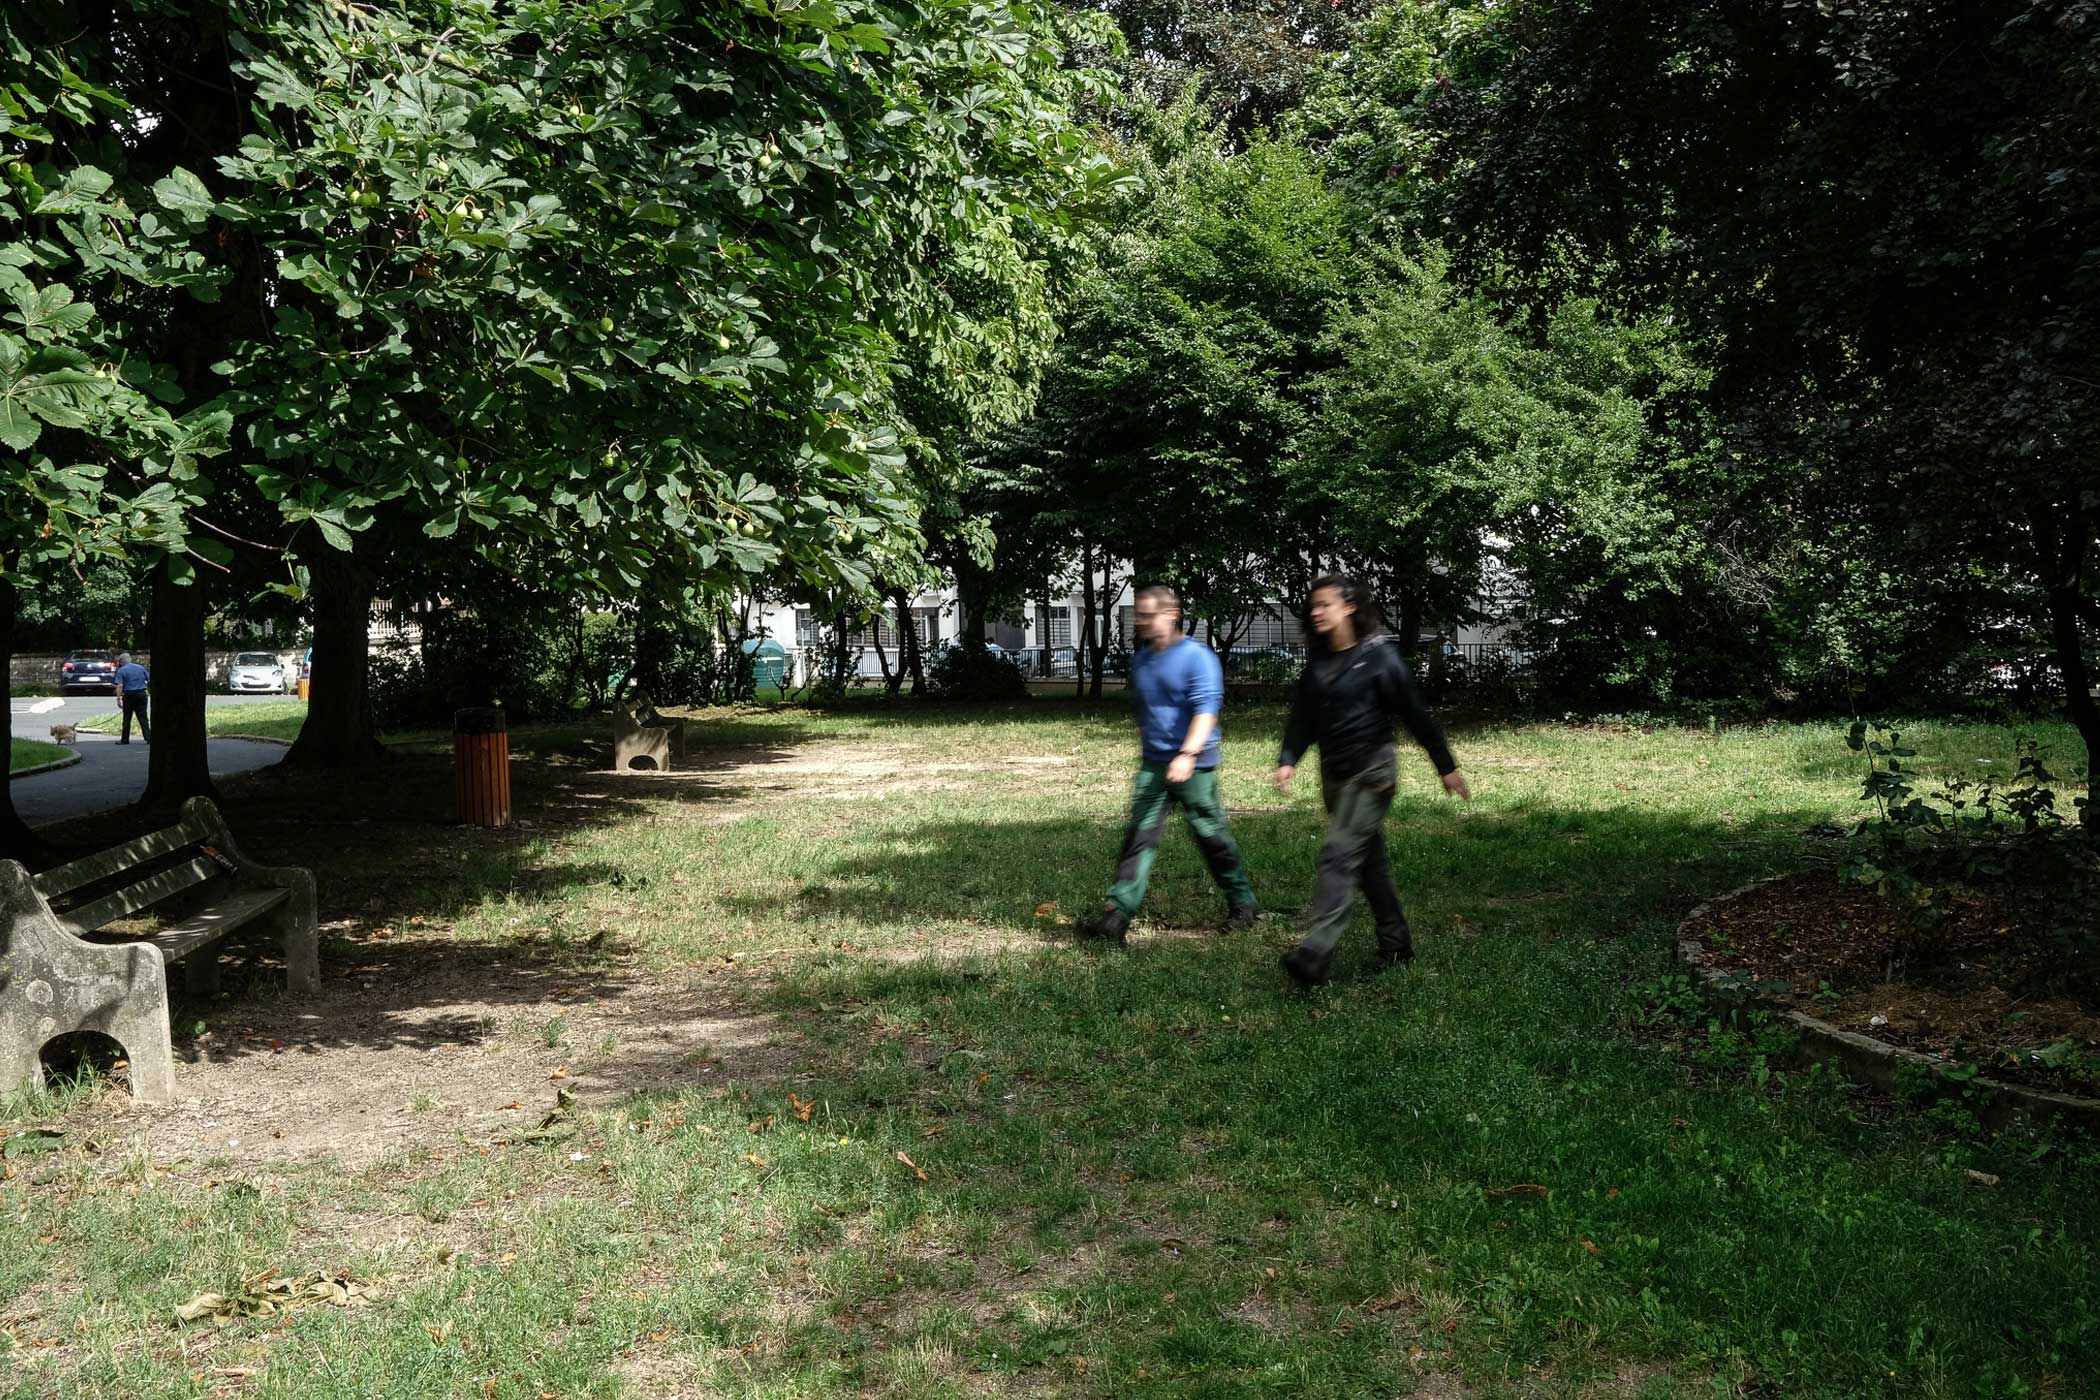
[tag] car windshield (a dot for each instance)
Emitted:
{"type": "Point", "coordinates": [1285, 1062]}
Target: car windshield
{"type": "Point", "coordinates": [255, 658]}
{"type": "Point", "coordinates": [89, 656]}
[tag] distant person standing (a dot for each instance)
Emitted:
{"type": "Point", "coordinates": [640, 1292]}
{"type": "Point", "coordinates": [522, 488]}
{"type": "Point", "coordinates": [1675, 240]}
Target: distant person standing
{"type": "Point", "coordinates": [132, 681]}
{"type": "Point", "coordinates": [1355, 684]}
{"type": "Point", "coordinates": [1178, 688]}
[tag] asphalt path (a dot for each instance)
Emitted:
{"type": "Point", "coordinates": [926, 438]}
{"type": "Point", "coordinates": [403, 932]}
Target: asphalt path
{"type": "Point", "coordinates": [109, 774]}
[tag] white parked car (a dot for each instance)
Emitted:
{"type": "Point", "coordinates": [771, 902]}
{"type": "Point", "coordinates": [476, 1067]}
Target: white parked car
{"type": "Point", "coordinates": [255, 673]}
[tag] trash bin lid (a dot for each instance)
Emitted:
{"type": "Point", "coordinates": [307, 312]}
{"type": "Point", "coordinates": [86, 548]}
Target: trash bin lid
{"type": "Point", "coordinates": [478, 719]}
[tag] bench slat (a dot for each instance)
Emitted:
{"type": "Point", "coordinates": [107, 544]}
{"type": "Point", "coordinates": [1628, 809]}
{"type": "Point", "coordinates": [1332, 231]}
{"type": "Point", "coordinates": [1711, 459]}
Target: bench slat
{"type": "Point", "coordinates": [103, 864]}
{"type": "Point", "coordinates": [177, 941]}
{"type": "Point", "coordinates": [134, 897]}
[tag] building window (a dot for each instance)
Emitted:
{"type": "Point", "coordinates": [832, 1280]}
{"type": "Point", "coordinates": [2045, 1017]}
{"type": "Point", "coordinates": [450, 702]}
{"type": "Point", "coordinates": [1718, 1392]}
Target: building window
{"type": "Point", "coordinates": [925, 621]}
{"type": "Point", "coordinates": [1053, 626]}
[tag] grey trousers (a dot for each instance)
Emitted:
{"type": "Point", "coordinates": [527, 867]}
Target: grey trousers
{"type": "Point", "coordinates": [1353, 857]}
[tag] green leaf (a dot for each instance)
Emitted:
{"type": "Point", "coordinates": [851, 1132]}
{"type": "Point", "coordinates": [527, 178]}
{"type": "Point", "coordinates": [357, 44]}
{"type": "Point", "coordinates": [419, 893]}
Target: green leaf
{"type": "Point", "coordinates": [17, 428]}
{"type": "Point", "coordinates": [868, 37]}
{"type": "Point", "coordinates": [183, 194]}
{"type": "Point", "coordinates": [83, 185]}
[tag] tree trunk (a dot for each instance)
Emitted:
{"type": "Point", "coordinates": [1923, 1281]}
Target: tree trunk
{"type": "Point", "coordinates": [2064, 582]}
{"type": "Point", "coordinates": [912, 661]}
{"type": "Point", "coordinates": [338, 732]}
{"type": "Point", "coordinates": [1083, 635]}
{"type": "Point", "coordinates": [1110, 591]}
{"type": "Point", "coordinates": [890, 680]}
{"type": "Point", "coordinates": [652, 658]}
{"type": "Point", "coordinates": [17, 841]}
{"type": "Point", "coordinates": [178, 764]}
{"type": "Point", "coordinates": [841, 651]}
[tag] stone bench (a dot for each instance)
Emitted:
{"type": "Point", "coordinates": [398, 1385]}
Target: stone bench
{"type": "Point", "coordinates": [643, 740]}
{"type": "Point", "coordinates": [63, 969]}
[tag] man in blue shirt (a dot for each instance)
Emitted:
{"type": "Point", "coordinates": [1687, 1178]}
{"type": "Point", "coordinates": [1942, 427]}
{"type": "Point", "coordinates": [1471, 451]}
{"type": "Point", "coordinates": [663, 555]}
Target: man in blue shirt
{"type": "Point", "coordinates": [1178, 688]}
{"type": "Point", "coordinates": [131, 684]}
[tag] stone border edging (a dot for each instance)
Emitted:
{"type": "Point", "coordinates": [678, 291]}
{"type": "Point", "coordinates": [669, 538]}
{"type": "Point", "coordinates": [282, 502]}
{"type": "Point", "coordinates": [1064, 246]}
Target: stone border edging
{"type": "Point", "coordinates": [1862, 1057]}
{"type": "Point", "coordinates": [255, 739]}
{"type": "Point", "coordinates": [52, 767]}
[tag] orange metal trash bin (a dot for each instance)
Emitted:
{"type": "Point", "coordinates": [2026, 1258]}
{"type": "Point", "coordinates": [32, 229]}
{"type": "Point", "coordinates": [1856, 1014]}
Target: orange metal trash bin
{"type": "Point", "coordinates": [481, 766]}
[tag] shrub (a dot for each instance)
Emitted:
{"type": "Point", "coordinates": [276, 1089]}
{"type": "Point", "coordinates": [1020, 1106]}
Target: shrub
{"type": "Point", "coordinates": [967, 673]}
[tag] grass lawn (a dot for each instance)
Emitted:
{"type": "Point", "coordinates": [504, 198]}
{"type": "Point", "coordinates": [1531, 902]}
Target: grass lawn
{"type": "Point", "coordinates": [267, 719]}
{"type": "Point", "coordinates": [30, 753]}
{"type": "Point", "coordinates": [852, 1120]}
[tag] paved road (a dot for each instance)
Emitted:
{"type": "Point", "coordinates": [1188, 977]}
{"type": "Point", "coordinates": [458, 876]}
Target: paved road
{"type": "Point", "coordinates": [109, 774]}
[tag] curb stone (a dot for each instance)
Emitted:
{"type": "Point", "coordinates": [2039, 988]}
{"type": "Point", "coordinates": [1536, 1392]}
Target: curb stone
{"type": "Point", "coordinates": [52, 767]}
{"type": "Point", "coordinates": [1870, 1061]}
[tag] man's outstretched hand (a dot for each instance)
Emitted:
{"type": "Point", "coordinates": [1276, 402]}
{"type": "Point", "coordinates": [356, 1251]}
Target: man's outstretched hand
{"type": "Point", "coordinates": [1281, 778]}
{"type": "Point", "coordinates": [1455, 782]}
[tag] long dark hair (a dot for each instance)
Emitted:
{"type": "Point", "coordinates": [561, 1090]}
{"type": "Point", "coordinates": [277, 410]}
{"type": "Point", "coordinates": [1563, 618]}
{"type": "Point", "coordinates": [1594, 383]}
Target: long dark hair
{"type": "Point", "coordinates": [1370, 622]}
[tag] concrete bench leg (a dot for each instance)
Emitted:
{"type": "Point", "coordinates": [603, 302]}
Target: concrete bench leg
{"type": "Point", "coordinates": [296, 924]}
{"type": "Point", "coordinates": [21, 1065]}
{"type": "Point", "coordinates": [144, 1036]}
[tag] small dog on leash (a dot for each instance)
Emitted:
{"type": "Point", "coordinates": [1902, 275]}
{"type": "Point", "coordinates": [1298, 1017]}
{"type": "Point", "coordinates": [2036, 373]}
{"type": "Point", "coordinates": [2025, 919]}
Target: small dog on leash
{"type": "Point", "coordinates": [63, 733]}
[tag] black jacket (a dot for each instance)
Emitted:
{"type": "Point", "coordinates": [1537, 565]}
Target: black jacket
{"type": "Point", "coordinates": [1346, 703]}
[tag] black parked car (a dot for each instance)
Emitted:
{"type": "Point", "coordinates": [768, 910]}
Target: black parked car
{"type": "Point", "coordinates": [88, 670]}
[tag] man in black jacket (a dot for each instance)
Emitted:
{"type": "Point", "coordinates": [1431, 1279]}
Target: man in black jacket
{"type": "Point", "coordinates": [1354, 686]}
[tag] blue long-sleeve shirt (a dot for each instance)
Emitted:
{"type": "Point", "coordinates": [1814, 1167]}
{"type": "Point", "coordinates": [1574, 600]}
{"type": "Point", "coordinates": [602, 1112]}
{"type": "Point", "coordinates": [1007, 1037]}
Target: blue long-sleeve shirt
{"type": "Point", "coordinates": [1169, 689]}
{"type": "Point", "coordinates": [132, 677]}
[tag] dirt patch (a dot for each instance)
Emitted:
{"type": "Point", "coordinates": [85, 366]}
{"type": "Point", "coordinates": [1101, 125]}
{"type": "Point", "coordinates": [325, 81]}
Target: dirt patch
{"type": "Point", "coordinates": [417, 1040]}
{"type": "Point", "coordinates": [417, 1045]}
{"type": "Point", "coordinates": [1989, 976]}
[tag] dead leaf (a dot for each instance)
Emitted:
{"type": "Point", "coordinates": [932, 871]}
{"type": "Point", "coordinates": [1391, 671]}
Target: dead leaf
{"type": "Point", "coordinates": [759, 1125]}
{"type": "Point", "coordinates": [439, 1331]}
{"type": "Point", "coordinates": [1611, 1193]}
{"type": "Point", "coordinates": [1527, 1190]}
{"type": "Point", "coordinates": [1398, 1298]}
{"type": "Point", "coordinates": [1451, 1325]}
{"type": "Point", "coordinates": [754, 1159]}
{"type": "Point", "coordinates": [802, 1109]}
{"type": "Point", "coordinates": [1982, 1178]}
{"type": "Point", "coordinates": [267, 1295]}
{"type": "Point", "coordinates": [1589, 1244]}
{"type": "Point", "coordinates": [913, 1165]}
{"type": "Point", "coordinates": [1046, 909]}
{"type": "Point", "coordinates": [562, 1073]}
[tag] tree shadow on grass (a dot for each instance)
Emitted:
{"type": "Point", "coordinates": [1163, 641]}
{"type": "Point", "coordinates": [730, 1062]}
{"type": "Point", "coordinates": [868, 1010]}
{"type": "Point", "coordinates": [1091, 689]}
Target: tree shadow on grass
{"type": "Point", "coordinates": [394, 868]}
{"type": "Point", "coordinates": [1482, 863]}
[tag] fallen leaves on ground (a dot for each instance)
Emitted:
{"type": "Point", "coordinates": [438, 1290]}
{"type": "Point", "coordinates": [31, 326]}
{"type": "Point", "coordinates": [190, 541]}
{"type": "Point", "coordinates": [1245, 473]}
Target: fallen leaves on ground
{"type": "Point", "coordinates": [913, 1165]}
{"type": "Point", "coordinates": [267, 1295]}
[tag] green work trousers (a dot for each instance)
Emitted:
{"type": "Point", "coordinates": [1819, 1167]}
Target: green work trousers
{"type": "Point", "coordinates": [1198, 800]}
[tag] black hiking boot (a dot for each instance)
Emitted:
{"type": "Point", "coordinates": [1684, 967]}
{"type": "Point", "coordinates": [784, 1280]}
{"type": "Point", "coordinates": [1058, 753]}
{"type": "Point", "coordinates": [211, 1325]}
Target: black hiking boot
{"type": "Point", "coordinates": [1108, 926]}
{"type": "Point", "coordinates": [1308, 969]}
{"type": "Point", "coordinates": [1241, 917]}
{"type": "Point", "coordinates": [1395, 951]}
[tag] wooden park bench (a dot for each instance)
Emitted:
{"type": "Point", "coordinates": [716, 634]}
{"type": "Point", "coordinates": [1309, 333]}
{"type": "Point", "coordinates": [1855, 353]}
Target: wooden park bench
{"type": "Point", "coordinates": [640, 733]}
{"type": "Point", "coordinates": [63, 968]}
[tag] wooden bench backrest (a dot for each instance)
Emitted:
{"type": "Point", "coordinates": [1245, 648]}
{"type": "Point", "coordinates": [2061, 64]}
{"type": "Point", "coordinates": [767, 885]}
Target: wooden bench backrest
{"type": "Point", "coordinates": [129, 899]}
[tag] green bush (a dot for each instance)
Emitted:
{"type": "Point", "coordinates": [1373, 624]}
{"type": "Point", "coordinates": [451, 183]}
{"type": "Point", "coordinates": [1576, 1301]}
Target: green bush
{"type": "Point", "coordinates": [973, 674]}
